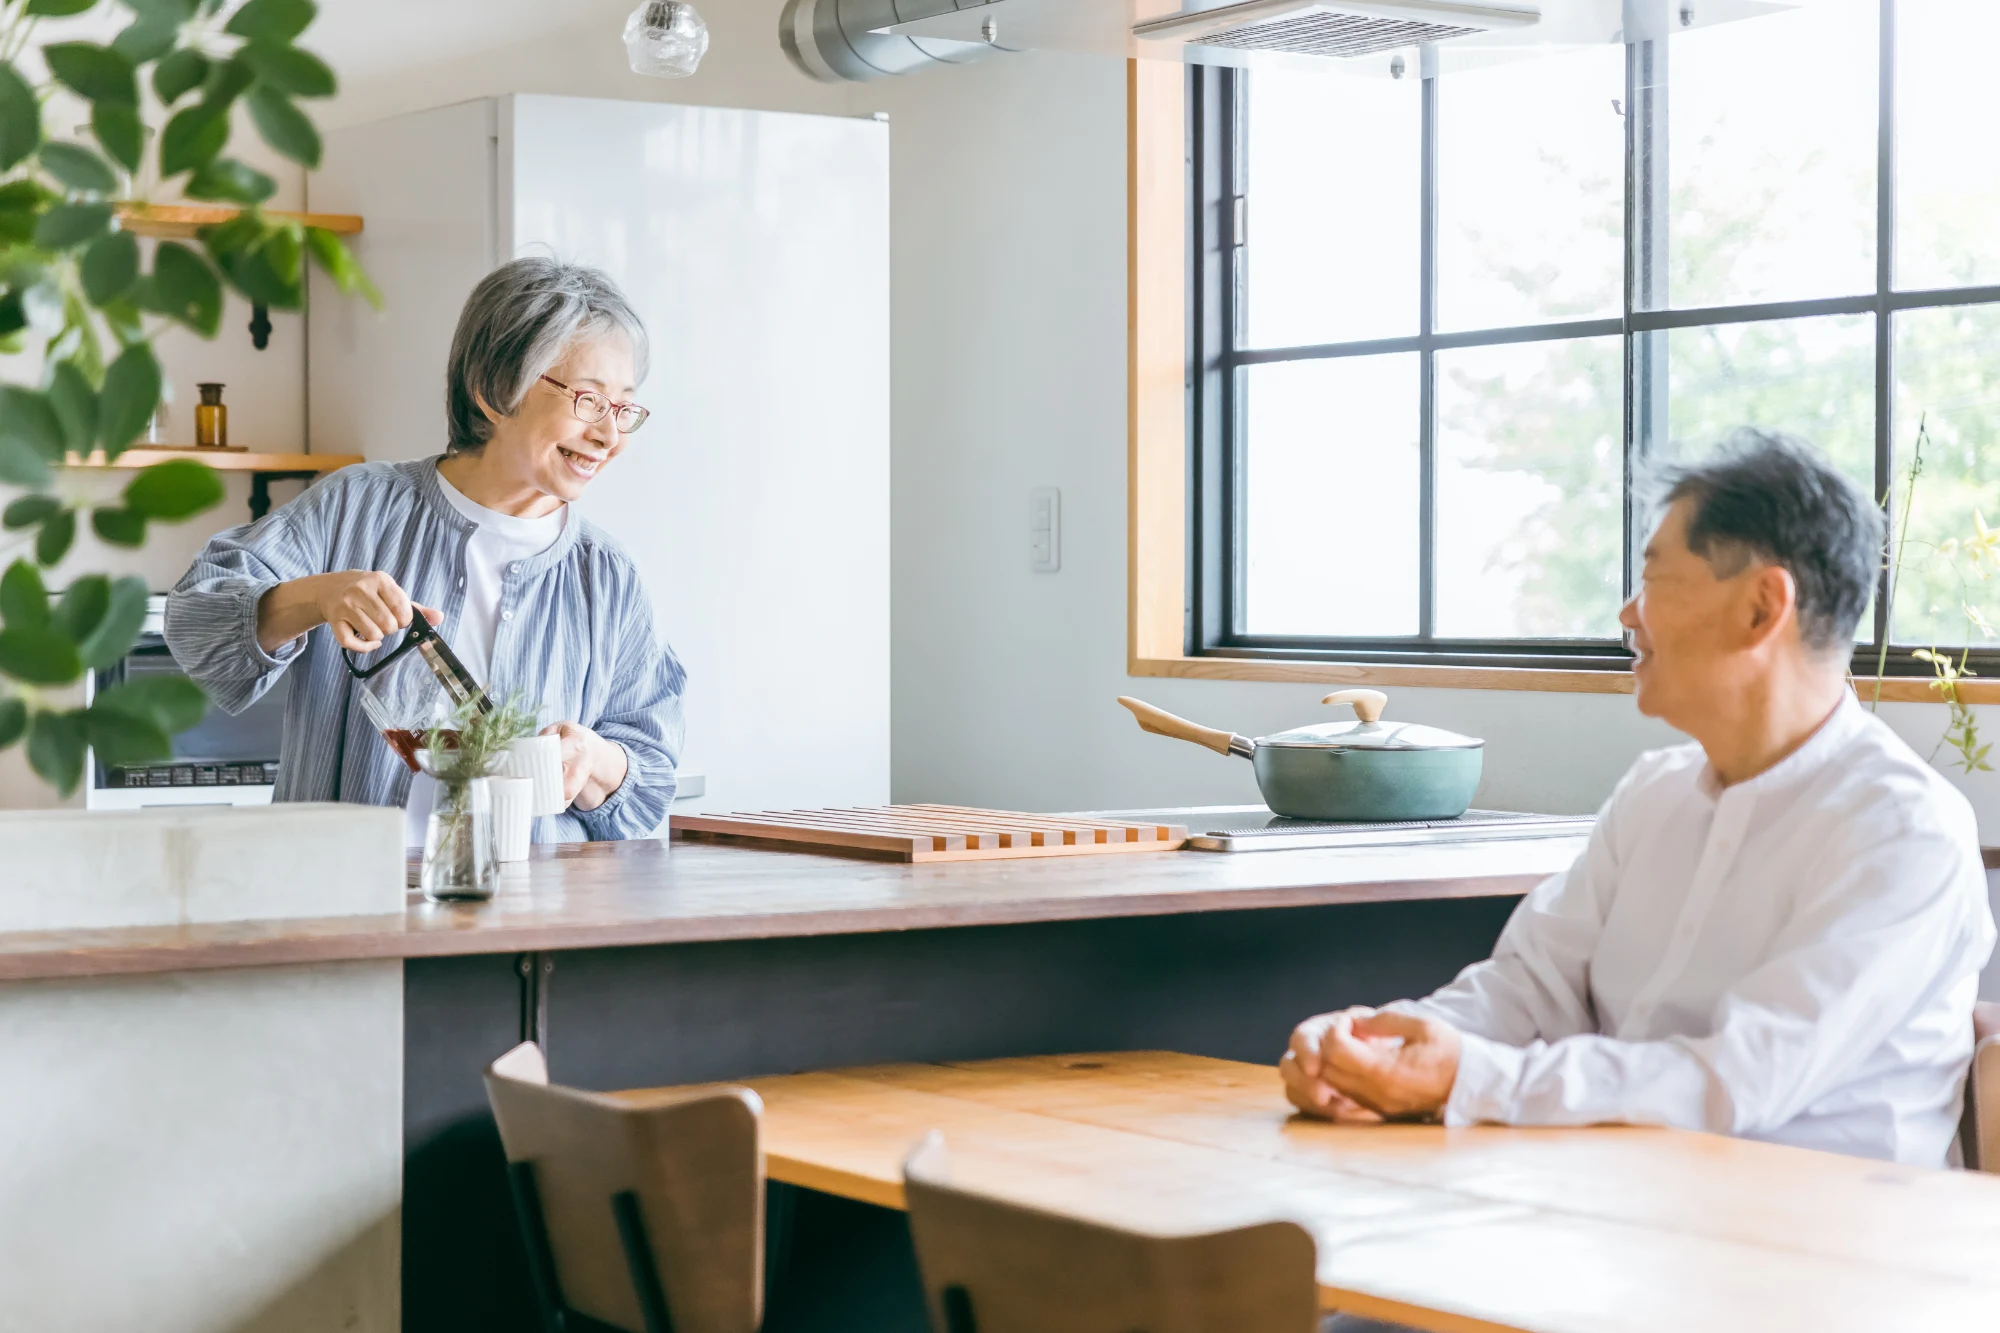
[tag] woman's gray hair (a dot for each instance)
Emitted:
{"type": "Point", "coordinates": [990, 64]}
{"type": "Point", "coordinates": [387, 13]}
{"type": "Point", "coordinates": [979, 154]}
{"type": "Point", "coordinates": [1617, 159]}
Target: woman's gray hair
{"type": "Point", "coordinates": [518, 322]}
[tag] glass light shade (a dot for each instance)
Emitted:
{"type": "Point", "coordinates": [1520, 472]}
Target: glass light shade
{"type": "Point", "coordinates": [665, 38]}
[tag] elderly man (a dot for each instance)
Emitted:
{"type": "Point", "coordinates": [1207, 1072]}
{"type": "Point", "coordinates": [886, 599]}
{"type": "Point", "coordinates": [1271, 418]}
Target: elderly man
{"type": "Point", "coordinates": [1775, 932]}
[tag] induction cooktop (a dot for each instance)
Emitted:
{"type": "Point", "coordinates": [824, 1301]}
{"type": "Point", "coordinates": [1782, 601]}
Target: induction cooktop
{"type": "Point", "coordinates": [1253, 828]}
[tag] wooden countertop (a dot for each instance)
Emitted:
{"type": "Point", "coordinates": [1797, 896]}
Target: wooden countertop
{"type": "Point", "coordinates": [597, 895]}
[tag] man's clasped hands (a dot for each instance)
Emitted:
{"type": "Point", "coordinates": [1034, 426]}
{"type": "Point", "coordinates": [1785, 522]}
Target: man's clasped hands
{"type": "Point", "coordinates": [1364, 1066]}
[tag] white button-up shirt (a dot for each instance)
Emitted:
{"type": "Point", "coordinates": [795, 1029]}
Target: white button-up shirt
{"type": "Point", "coordinates": [1792, 958]}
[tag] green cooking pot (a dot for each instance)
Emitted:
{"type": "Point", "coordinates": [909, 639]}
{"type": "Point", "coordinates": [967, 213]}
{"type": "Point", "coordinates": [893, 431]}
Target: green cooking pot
{"type": "Point", "coordinates": [1367, 769]}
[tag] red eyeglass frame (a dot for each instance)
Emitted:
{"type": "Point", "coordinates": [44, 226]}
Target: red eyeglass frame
{"type": "Point", "coordinates": [576, 406]}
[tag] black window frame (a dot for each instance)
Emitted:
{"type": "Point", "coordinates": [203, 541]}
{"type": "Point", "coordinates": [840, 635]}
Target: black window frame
{"type": "Point", "coordinates": [1218, 217]}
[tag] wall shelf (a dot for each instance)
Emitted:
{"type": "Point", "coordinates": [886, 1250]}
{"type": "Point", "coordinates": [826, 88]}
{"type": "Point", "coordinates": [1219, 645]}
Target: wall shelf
{"type": "Point", "coordinates": [263, 468]}
{"type": "Point", "coordinates": [180, 221]}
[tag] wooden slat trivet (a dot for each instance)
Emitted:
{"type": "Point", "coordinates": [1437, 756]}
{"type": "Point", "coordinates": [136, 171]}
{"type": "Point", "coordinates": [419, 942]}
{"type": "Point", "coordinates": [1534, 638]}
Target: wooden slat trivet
{"type": "Point", "coordinates": [933, 832]}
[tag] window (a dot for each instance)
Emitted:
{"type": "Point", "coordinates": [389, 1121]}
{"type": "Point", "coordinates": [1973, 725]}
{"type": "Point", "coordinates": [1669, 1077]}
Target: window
{"type": "Point", "coordinates": [1438, 323]}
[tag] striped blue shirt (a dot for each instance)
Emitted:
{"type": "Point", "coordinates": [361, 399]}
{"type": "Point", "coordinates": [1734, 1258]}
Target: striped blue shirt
{"type": "Point", "coordinates": [575, 635]}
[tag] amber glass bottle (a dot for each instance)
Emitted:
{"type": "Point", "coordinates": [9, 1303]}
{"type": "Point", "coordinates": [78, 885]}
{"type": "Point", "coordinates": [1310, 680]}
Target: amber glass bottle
{"type": "Point", "coordinates": [211, 418]}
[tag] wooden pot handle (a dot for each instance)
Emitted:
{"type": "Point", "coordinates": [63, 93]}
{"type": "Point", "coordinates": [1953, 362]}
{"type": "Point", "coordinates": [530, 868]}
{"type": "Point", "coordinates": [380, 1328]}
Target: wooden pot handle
{"type": "Point", "coordinates": [1368, 704]}
{"type": "Point", "coordinates": [1162, 723]}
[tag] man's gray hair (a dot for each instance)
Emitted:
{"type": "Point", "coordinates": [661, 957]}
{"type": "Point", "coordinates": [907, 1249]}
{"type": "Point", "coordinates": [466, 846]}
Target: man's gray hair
{"type": "Point", "coordinates": [518, 322]}
{"type": "Point", "coordinates": [1775, 498]}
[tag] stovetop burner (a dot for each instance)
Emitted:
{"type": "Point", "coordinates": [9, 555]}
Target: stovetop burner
{"type": "Point", "coordinates": [1253, 828]}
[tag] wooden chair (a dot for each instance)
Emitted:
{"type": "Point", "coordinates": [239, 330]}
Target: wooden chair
{"type": "Point", "coordinates": [991, 1266]}
{"type": "Point", "coordinates": [642, 1213]}
{"type": "Point", "coordinates": [1979, 1131]}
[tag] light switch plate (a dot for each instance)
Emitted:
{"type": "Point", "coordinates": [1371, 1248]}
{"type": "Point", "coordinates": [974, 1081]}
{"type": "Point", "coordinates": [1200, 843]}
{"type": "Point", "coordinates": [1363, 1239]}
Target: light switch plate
{"type": "Point", "coordinates": [1045, 529]}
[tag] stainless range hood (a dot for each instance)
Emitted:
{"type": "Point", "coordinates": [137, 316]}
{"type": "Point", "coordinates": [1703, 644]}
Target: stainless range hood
{"type": "Point", "coordinates": [863, 39]}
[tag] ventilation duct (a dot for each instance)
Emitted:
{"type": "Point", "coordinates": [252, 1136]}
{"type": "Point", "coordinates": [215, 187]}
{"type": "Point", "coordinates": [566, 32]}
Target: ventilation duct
{"type": "Point", "coordinates": [846, 40]}
{"type": "Point", "coordinates": [842, 41]}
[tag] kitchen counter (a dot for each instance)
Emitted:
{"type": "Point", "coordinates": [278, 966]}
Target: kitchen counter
{"type": "Point", "coordinates": [647, 963]}
{"type": "Point", "coordinates": [604, 895]}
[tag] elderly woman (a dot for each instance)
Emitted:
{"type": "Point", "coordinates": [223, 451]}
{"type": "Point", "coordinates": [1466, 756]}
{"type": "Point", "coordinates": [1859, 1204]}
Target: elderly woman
{"type": "Point", "coordinates": [483, 543]}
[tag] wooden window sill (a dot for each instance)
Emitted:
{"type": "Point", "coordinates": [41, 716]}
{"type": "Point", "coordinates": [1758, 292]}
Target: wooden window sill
{"type": "Point", "coordinates": [1895, 689]}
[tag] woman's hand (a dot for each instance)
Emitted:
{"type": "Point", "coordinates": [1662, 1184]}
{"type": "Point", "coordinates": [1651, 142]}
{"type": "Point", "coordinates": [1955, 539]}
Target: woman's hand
{"type": "Point", "coordinates": [362, 607]}
{"type": "Point", "coordinates": [593, 767]}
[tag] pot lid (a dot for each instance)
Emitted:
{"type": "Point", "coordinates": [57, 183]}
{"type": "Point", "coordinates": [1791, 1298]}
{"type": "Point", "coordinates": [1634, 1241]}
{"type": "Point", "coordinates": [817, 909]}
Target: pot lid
{"type": "Point", "coordinates": [1370, 736]}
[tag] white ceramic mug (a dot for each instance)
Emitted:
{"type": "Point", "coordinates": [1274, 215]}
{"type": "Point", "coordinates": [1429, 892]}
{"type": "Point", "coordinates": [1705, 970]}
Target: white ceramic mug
{"type": "Point", "coordinates": [538, 758]}
{"type": "Point", "coordinates": [513, 816]}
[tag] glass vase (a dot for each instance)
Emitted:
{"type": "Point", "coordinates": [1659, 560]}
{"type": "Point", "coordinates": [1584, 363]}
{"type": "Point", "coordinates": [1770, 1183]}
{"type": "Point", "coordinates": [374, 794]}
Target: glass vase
{"type": "Point", "coordinates": [459, 860]}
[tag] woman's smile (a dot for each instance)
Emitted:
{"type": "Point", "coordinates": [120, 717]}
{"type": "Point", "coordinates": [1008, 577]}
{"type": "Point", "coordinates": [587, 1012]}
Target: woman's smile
{"type": "Point", "coordinates": [583, 464]}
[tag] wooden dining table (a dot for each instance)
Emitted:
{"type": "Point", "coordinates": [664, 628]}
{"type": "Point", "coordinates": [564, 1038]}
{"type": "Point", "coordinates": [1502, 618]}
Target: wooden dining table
{"type": "Point", "coordinates": [1611, 1229]}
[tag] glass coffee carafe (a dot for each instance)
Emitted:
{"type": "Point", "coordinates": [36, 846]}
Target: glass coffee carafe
{"type": "Point", "coordinates": [419, 685]}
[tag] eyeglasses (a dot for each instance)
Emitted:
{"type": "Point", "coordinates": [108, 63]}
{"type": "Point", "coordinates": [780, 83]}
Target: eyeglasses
{"type": "Point", "coordinates": [592, 406]}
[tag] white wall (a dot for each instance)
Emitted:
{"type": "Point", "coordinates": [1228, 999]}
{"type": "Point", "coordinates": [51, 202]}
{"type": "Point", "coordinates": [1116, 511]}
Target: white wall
{"type": "Point", "coordinates": [445, 51]}
{"type": "Point", "coordinates": [1009, 336]}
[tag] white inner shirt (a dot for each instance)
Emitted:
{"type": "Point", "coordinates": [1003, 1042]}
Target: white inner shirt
{"type": "Point", "coordinates": [498, 541]}
{"type": "Point", "coordinates": [1792, 958]}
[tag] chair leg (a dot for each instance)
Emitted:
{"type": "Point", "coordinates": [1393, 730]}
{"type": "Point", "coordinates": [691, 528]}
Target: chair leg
{"type": "Point", "coordinates": [958, 1311]}
{"type": "Point", "coordinates": [535, 1234]}
{"type": "Point", "coordinates": [639, 1262]}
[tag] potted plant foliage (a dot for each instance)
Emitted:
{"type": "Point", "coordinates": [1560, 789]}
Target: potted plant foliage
{"type": "Point", "coordinates": [461, 753]}
{"type": "Point", "coordinates": [80, 308]}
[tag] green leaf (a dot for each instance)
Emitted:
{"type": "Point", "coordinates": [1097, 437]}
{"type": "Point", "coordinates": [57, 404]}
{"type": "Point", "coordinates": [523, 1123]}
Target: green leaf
{"type": "Point", "coordinates": [231, 181]}
{"type": "Point", "coordinates": [118, 129]}
{"type": "Point", "coordinates": [24, 599]}
{"type": "Point", "coordinates": [265, 267]}
{"type": "Point", "coordinates": [147, 40]}
{"type": "Point", "coordinates": [284, 126]}
{"type": "Point", "coordinates": [179, 74]}
{"type": "Point", "coordinates": [118, 628]}
{"type": "Point", "coordinates": [27, 511]}
{"type": "Point", "coordinates": [39, 657]}
{"type": "Point", "coordinates": [339, 264]}
{"type": "Point", "coordinates": [21, 204]}
{"type": "Point", "coordinates": [289, 70]}
{"type": "Point", "coordinates": [110, 267]}
{"type": "Point", "coordinates": [118, 525]}
{"type": "Point", "coordinates": [175, 12]}
{"type": "Point", "coordinates": [185, 288]}
{"type": "Point", "coordinates": [272, 20]}
{"type": "Point", "coordinates": [75, 405]}
{"type": "Point", "coordinates": [55, 9]}
{"type": "Point", "coordinates": [20, 118]}
{"type": "Point", "coordinates": [23, 195]}
{"type": "Point", "coordinates": [21, 465]}
{"type": "Point", "coordinates": [55, 749]}
{"type": "Point", "coordinates": [131, 392]}
{"type": "Point", "coordinates": [79, 168]}
{"type": "Point", "coordinates": [193, 136]}
{"type": "Point", "coordinates": [176, 489]}
{"type": "Point", "coordinates": [82, 607]}
{"type": "Point", "coordinates": [26, 415]}
{"type": "Point", "coordinates": [95, 72]}
{"type": "Point", "coordinates": [124, 738]}
{"type": "Point", "coordinates": [13, 720]}
{"type": "Point", "coordinates": [227, 80]}
{"type": "Point", "coordinates": [172, 703]}
{"type": "Point", "coordinates": [52, 543]}
{"type": "Point", "coordinates": [122, 317]}
{"type": "Point", "coordinates": [66, 225]}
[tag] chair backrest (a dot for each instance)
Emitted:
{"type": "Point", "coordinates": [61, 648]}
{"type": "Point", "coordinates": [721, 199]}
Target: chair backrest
{"type": "Point", "coordinates": [643, 1212]}
{"type": "Point", "coordinates": [1979, 1134]}
{"type": "Point", "coordinates": [993, 1266]}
